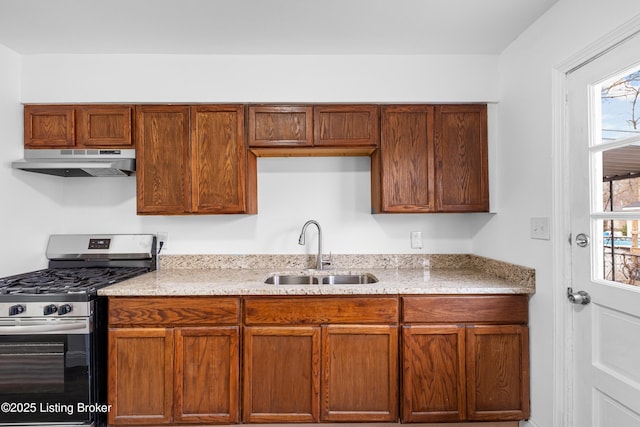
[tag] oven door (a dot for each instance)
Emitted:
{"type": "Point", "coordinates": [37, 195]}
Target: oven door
{"type": "Point", "coordinates": [45, 370]}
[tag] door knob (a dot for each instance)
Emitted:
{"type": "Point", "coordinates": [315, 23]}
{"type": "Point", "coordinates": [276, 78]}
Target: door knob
{"type": "Point", "coordinates": [580, 297]}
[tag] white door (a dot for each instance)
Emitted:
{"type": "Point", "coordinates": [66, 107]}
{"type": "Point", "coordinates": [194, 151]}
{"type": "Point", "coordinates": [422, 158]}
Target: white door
{"type": "Point", "coordinates": [604, 263]}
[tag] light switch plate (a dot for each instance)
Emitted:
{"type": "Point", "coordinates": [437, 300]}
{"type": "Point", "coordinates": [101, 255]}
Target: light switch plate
{"type": "Point", "coordinates": [540, 228]}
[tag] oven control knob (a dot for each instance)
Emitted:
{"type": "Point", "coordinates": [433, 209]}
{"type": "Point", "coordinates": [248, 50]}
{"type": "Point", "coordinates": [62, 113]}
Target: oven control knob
{"type": "Point", "coordinates": [64, 309]}
{"type": "Point", "coordinates": [16, 309]}
{"type": "Point", "coordinates": [50, 309]}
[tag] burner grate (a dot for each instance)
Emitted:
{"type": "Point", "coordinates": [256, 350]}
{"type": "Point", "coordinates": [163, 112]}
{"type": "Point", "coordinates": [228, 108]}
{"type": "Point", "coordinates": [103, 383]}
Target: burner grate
{"type": "Point", "coordinates": [86, 280]}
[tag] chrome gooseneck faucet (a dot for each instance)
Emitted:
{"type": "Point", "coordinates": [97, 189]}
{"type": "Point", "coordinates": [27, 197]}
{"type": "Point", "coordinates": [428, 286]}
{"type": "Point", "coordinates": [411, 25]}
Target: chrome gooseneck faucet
{"type": "Point", "coordinates": [320, 262]}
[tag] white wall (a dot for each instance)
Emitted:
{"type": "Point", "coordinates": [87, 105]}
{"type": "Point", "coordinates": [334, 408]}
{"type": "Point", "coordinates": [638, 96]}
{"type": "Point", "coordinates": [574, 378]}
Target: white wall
{"type": "Point", "coordinates": [524, 162]}
{"type": "Point", "coordinates": [29, 205]}
{"type": "Point", "coordinates": [274, 78]}
{"type": "Point", "coordinates": [335, 191]}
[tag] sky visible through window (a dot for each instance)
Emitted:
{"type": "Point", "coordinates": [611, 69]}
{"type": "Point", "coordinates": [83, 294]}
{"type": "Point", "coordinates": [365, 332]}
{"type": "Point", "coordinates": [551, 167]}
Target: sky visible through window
{"type": "Point", "coordinates": [621, 106]}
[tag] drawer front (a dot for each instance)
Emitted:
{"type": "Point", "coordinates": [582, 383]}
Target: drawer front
{"type": "Point", "coordinates": [173, 311]}
{"type": "Point", "coordinates": [305, 311]}
{"type": "Point", "coordinates": [466, 309]}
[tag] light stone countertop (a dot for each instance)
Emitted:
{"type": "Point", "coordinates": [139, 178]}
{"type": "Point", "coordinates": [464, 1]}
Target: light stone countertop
{"type": "Point", "coordinates": [431, 274]}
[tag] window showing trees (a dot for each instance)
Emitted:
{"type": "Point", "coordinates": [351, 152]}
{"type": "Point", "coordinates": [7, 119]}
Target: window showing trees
{"type": "Point", "coordinates": [620, 122]}
{"type": "Point", "coordinates": [620, 114]}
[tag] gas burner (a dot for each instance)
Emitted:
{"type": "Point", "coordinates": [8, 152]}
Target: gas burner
{"type": "Point", "coordinates": [82, 280]}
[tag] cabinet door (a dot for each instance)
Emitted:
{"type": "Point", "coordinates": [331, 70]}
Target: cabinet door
{"type": "Point", "coordinates": [281, 374]}
{"type": "Point", "coordinates": [104, 126]}
{"type": "Point", "coordinates": [207, 375]}
{"type": "Point", "coordinates": [360, 373]}
{"type": "Point", "coordinates": [219, 161]}
{"type": "Point", "coordinates": [402, 171]}
{"type": "Point", "coordinates": [140, 376]}
{"type": "Point", "coordinates": [163, 167]}
{"type": "Point", "coordinates": [434, 386]}
{"type": "Point", "coordinates": [497, 372]}
{"type": "Point", "coordinates": [346, 125]}
{"type": "Point", "coordinates": [462, 183]}
{"type": "Point", "coordinates": [49, 126]}
{"type": "Point", "coordinates": [280, 125]}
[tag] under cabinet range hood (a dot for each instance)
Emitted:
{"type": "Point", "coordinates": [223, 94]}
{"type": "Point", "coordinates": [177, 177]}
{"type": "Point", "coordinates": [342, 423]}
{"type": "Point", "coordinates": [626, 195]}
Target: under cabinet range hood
{"type": "Point", "coordinates": [78, 162]}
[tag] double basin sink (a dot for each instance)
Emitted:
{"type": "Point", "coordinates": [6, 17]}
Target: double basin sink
{"type": "Point", "coordinates": [331, 279]}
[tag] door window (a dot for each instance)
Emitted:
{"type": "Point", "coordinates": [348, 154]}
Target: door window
{"type": "Point", "coordinates": [616, 158]}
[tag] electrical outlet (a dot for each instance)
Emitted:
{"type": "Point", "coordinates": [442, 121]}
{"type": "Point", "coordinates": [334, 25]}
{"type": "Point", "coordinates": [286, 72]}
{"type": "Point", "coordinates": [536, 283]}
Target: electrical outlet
{"type": "Point", "coordinates": [540, 228]}
{"type": "Point", "coordinates": [162, 237]}
{"type": "Point", "coordinates": [416, 239]}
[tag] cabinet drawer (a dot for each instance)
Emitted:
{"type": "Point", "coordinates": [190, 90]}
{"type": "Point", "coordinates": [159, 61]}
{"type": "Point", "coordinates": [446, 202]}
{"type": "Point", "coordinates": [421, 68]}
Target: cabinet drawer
{"type": "Point", "coordinates": [465, 309]}
{"type": "Point", "coordinates": [173, 311]}
{"type": "Point", "coordinates": [289, 311]}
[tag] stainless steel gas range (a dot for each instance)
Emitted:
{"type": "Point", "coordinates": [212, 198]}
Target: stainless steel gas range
{"type": "Point", "coordinates": [53, 329]}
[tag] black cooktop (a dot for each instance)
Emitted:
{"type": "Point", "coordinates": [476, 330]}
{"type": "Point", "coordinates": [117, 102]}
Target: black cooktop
{"type": "Point", "coordinates": [63, 281]}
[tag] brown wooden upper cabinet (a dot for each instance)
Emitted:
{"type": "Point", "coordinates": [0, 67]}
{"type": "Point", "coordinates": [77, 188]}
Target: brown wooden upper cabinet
{"type": "Point", "coordinates": [280, 125]}
{"type": "Point", "coordinates": [163, 153]}
{"type": "Point", "coordinates": [193, 159]}
{"type": "Point", "coordinates": [462, 183]}
{"type": "Point", "coordinates": [80, 126]}
{"type": "Point", "coordinates": [346, 125]}
{"type": "Point", "coordinates": [313, 126]}
{"type": "Point", "coordinates": [402, 170]}
{"type": "Point", "coordinates": [431, 159]}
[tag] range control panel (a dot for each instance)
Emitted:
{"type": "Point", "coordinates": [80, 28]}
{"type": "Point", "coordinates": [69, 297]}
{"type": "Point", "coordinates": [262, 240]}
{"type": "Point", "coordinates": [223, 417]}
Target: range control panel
{"type": "Point", "coordinates": [99, 243]}
{"type": "Point", "coordinates": [43, 309]}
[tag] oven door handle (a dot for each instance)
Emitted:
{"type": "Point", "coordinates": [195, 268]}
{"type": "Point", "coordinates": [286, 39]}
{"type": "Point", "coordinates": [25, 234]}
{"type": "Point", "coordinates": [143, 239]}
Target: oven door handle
{"type": "Point", "coordinates": [73, 327]}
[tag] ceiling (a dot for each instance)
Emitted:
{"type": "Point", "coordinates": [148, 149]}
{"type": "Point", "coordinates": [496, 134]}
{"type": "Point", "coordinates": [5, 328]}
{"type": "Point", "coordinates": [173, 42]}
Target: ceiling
{"type": "Point", "coordinates": [265, 26]}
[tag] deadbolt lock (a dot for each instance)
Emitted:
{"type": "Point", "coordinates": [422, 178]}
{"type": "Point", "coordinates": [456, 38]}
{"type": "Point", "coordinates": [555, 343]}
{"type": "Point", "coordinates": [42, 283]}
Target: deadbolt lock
{"type": "Point", "coordinates": [582, 240]}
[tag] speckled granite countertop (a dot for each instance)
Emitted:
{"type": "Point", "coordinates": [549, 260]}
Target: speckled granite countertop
{"type": "Point", "coordinates": [201, 275]}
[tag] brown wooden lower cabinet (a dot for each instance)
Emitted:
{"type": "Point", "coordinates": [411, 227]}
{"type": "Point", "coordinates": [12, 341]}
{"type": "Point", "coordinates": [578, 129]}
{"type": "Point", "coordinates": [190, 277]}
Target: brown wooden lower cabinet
{"type": "Point", "coordinates": [456, 373]}
{"type": "Point", "coordinates": [284, 382]}
{"type": "Point", "coordinates": [497, 372]}
{"type": "Point", "coordinates": [359, 373]}
{"type": "Point", "coordinates": [140, 387]}
{"type": "Point", "coordinates": [166, 375]}
{"type": "Point", "coordinates": [318, 359]}
{"type": "Point", "coordinates": [206, 385]}
{"type": "Point", "coordinates": [173, 360]}
{"type": "Point", "coordinates": [322, 359]}
{"type": "Point", "coordinates": [281, 374]}
{"type": "Point", "coordinates": [465, 371]}
{"type": "Point", "coordinates": [434, 386]}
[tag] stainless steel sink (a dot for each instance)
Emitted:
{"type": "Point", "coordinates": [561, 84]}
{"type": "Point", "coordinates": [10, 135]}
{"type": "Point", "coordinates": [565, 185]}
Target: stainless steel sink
{"type": "Point", "coordinates": [333, 279]}
{"type": "Point", "coordinates": [286, 279]}
{"type": "Point", "coordinates": [349, 279]}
